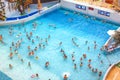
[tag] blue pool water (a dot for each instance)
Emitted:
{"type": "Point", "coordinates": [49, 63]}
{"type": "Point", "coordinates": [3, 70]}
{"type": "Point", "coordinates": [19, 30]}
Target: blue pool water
{"type": "Point", "coordinates": [77, 26]}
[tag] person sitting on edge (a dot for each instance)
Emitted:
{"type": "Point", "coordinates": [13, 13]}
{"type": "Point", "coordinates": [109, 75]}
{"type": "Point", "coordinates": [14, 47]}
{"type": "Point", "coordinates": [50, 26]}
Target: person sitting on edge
{"type": "Point", "coordinates": [65, 77]}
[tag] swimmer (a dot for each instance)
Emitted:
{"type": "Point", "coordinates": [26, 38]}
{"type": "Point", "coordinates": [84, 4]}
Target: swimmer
{"type": "Point", "coordinates": [48, 36]}
{"type": "Point", "coordinates": [89, 60]}
{"type": "Point", "coordinates": [81, 59]}
{"type": "Point", "coordinates": [46, 41]}
{"type": "Point", "coordinates": [65, 56]}
{"type": "Point", "coordinates": [28, 47]}
{"type": "Point", "coordinates": [93, 70]}
{"type": "Point", "coordinates": [47, 64]}
{"type": "Point", "coordinates": [39, 45]}
{"type": "Point", "coordinates": [96, 70]}
{"type": "Point", "coordinates": [29, 38]}
{"type": "Point", "coordinates": [94, 42]}
{"type": "Point", "coordinates": [43, 46]}
{"type": "Point", "coordinates": [29, 64]}
{"type": "Point", "coordinates": [11, 55]}
{"type": "Point", "coordinates": [86, 42]}
{"type": "Point", "coordinates": [101, 49]}
{"type": "Point", "coordinates": [73, 58]}
{"type": "Point", "coordinates": [81, 64]}
{"type": "Point", "coordinates": [12, 43]}
{"type": "Point", "coordinates": [62, 50]}
{"type": "Point", "coordinates": [15, 51]}
{"type": "Point", "coordinates": [75, 67]}
{"type": "Point", "coordinates": [22, 60]}
{"type": "Point", "coordinates": [1, 39]}
{"type": "Point", "coordinates": [32, 40]}
{"type": "Point", "coordinates": [35, 75]}
{"type": "Point", "coordinates": [10, 48]}
{"type": "Point", "coordinates": [89, 66]}
{"type": "Point", "coordinates": [60, 43]}
{"type": "Point", "coordinates": [31, 53]}
{"type": "Point", "coordinates": [100, 73]}
{"type": "Point", "coordinates": [24, 29]}
{"type": "Point", "coordinates": [36, 57]}
{"type": "Point", "coordinates": [37, 37]}
{"type": "Point", "coordinates": [10, 66]}
{"type": "Point", "coordinates": [95, 47]}
{"type": "Point", "coordinates": [65, 77]}
{"type": "Point", "coordinates": [30, 34]}
{"type": "Point", "coordinates": [88, 48]}
{"type": "Point", "coordinates": [98, 55]}
{"type": "Point", "coordinates": [84, 55]}
{"type": "Point", "coordinates": [35, 49]}
{"type": "Point", "coordinates": [34, 25]}
{"type": "Point", "coordinates": [101, 61]}
{"type": "Point", "coordinates": [27, 34]}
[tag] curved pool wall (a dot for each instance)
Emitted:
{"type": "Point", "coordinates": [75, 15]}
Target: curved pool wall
{"type": "Point", "coordinates": [104, 78]}
{"type": "Point", "coordinates": [99, 12]}
{"type": "Point", "coordinates": [28, 17]}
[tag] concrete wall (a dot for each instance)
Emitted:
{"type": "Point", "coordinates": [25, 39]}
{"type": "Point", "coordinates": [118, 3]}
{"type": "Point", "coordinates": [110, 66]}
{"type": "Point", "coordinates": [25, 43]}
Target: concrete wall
{"type": "Point", "coordinates": [114, 16]}
{"type": "Point", "coordinates": [44, 11]}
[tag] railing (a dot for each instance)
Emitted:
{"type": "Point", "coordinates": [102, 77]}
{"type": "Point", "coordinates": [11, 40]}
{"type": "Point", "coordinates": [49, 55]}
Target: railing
{"type": "Point", "coordinates": [22, 17]}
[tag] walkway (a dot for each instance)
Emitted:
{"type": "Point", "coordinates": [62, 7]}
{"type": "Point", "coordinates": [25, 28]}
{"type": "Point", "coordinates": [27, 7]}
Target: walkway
{"type": "Point", "coordinates": [114, 74]}
{"type": "Point", "coordinates": [96, 3]}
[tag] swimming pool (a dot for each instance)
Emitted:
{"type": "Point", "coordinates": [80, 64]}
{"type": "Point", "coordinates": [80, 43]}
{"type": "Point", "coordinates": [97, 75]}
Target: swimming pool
{"type": "Point", "coordinates": [73, 30]}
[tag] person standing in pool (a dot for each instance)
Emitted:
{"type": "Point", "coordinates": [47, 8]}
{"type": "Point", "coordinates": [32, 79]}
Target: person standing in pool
{"type": "Point", "coordinates": [11, 55]}
{"type": "Point", "coordinates": [1, 39]}
{"type": "Point", "coordinates": [75, 66]}
{"type": "Point", "coordinates": [47, 64]}
{"type": "Point", "coordinates": [29, 64]}
{"type": "Point", "coordinates": [65, 77]}
{"type": "Point", "coordinates": [10, 66]}
{"type": "Point", "coordinates": [60, 43]}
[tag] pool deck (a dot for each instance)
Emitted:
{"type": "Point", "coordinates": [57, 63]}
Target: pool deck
{"type": "Point", "coordinates": [97, 3]}
{"type": "Point", "coordinates": [113, 74]}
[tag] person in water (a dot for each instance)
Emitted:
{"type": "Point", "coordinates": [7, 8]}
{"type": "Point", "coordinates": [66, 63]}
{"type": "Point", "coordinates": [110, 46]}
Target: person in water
{"type": "Point", "coordinates": [10, 66]}
{"type": "Point", "coordinates": [1, 39]}
{"type": "Point", "coordinates": [29, 64]}
{"type": "Point", "coordinates": [65, 77]}
{"type": "Point", "coordinates": [47, 64]}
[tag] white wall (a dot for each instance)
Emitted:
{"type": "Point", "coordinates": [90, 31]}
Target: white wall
{"type": "Point", "coordinates": [114, 16]}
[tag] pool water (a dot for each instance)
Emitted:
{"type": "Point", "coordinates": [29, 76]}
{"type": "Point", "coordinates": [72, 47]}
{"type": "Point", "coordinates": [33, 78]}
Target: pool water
{"type": "Point", "coordinates": [61, 27]}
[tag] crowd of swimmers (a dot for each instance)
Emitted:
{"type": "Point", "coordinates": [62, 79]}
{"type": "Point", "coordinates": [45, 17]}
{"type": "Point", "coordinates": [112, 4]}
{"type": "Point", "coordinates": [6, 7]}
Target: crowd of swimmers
{"type": "Point", "coordinates": [42, 45]}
